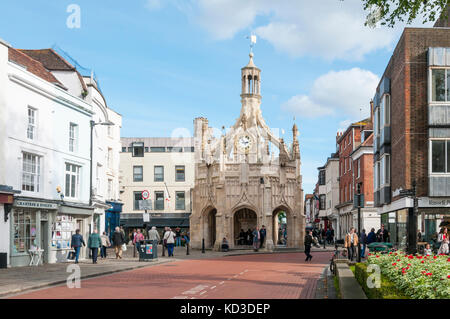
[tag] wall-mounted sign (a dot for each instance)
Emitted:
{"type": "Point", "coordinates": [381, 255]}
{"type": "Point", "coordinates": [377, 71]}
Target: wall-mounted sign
{"type": "Point", "coordinates": [31, 204]}
{"type": "Point", "coordinates": [434, 202]}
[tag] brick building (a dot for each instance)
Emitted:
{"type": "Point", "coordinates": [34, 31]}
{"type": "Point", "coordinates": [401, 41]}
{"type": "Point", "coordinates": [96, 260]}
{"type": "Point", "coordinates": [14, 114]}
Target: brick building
{"type": "Point", "coordinates": [412, 133]}
{"type": "Point", "coordinates": [356, 173]}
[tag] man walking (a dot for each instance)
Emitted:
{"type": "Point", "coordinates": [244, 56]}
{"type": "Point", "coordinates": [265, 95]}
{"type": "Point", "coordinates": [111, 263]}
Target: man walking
{"type": "Point", "coordinates": [351, 241]}
{"type": "Point", "coordinates": [256, 239]}
{"type": "Point", "coordinates": [105, 243]}
{"type": "Point", "coordinates": [178, 238]}
{"type": "Point", "coordinates": [118, 239]}
{"type": "Point", "coordinates": [262, 235]}
{"type": "Point", "coordinates": [94, 243]}
{"type": "Point", "coordinates": [363, 242]}
{"type": "Point", "coordinates": [76, 242]}
{"type": "Point", "coordinates": [169, 238]}
{"type": "Point", "coordinates": [308, 243]}
{"type": "Point", "coordinates": [154, 235]}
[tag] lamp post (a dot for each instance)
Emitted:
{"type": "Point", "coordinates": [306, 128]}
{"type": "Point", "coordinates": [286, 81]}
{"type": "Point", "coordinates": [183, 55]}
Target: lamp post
{"type": "Point", "coordinates": [92, 148]}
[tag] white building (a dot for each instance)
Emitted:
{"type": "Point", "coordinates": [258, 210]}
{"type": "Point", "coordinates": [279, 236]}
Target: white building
{"type": "Point", "coordinates": [165, 168]}
{"type": "Point", "coordinates": [46, 108]}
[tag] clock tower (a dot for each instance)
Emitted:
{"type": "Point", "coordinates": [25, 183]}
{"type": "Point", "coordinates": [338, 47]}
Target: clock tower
{"type": "Point", "coordinates": [246, 178]}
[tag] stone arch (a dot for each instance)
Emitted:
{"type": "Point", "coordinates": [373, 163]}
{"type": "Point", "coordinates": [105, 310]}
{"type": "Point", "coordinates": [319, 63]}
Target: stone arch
{"type": "Point", "coordinates": [209, 226]}
{"type": "Point", "coordinates": [243, 217]}
{"type": "Point", "coordinates": [278, 238]}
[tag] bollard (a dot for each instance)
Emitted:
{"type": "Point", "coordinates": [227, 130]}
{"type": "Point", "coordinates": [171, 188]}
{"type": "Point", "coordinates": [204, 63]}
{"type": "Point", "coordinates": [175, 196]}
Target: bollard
{"type": "Point", "coordinates": [203, 245]}
{"type": "Point", "coordinates": [163, 250]}
{"type": "Point", "coordinates": [187, 248]}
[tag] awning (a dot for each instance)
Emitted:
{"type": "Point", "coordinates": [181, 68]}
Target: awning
{"type": "Point", "coordinates": [158, 222]}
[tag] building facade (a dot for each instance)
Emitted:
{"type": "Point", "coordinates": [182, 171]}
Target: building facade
{"type": "Point", "coordinates": [46, 109]}
{"type": "Point", "coordinates": [412, 135]}
{"type": "Point", "coordinates": [246, 178]}
{"type": "Point", "coordinates": [165, 168]}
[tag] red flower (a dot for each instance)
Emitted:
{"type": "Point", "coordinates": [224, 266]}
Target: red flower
{"type": "Point", "coordinates": [448, 277]}
{"type": "Point", "coordinates": [435, 257]}
{"type": "Point", "coordinates": [423, 261]}
{"type": "Point", "coordinates": [394, 264]}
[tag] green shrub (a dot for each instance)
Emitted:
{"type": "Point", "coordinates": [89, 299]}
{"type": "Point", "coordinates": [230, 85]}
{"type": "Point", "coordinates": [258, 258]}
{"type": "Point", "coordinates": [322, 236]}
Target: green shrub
{"type": "Point", "coordinates": [386, 291]}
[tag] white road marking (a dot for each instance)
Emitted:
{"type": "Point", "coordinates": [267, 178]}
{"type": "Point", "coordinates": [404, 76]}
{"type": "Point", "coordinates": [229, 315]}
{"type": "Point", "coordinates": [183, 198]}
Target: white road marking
{"type": "Point", "coordinates": [195, 290]}
{"type": "Point", "coordinates": [202, 292]}
{"type": "Point", "coordinates": [241, 273]}
{"type": "Point", "coordinates": [180, 297]}
{"type": "Point", "coordinates": [221, 283]}
{"type": "Point", "coordinates": [213, 287]}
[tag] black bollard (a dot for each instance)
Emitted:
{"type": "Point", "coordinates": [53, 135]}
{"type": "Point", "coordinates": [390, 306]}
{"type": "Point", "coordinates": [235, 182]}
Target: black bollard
{"type": "Point", "coordinates": [187, 248]}
{"type": "Point", "coordinates": [203, 245]}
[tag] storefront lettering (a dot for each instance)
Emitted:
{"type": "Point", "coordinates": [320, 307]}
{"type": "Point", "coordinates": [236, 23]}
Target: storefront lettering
{"type": "Point", "coordinates": [35, 205]}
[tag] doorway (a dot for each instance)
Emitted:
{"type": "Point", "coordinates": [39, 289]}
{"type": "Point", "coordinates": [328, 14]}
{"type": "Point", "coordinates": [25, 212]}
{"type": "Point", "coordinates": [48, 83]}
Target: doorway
{"type": "Point", "coordinates": [245, 221]}
{"type": "Point", "coordinates": [212, 227]}
{"type": "Point", "coordinates": [44, 240]}
{"type": "Point", "coordinates": [280, 228]}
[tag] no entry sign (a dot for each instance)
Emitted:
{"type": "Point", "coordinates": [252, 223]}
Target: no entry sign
{"type": "Point", "coordinates": [145, 195]}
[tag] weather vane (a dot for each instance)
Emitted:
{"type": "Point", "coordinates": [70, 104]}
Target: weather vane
{"type": "Point", "coordinates": [252, 38]}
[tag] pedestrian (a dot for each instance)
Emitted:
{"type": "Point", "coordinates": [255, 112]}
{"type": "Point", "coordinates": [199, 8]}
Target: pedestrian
{"type": "Point", "coordinates": [138, 238]}
{"type": "Point", "coordinates": [427, 251]}
{"type": "Point", "coordinates": [382, 234]}
{"type": "Point", "coordinates": [328, 235]}
{"type": "Point", "coordinates": [118, 239]}
{"type": "Point", "coordinates": [444, 240]}
{"type": "Point", "coordinates": [351, 240]}
{"type": "Point", "coordinates": [242, 237]}
{"type": "Point", "coordinates": [256, 239]}
{"type": "Point", "coordinates": [105, 243]}
{"type": "Point", "coordinates": [363, 243]}
{"type": "Point", "coordinates": [169, 238]}
{"type": "Point", "coordinates": [371, 237]}
{"type": "Point", "coordinates": [76, 242]}
{"type": "Point", "coordinates": [178, 238]}
{"type": "Point", "coordinates": [332, 234]}
{"type": "Point", "coordinates": [308, 243]}
{"type": "Point", "coordinates": [123, 233]}
{"type": "Point", "coordinates": [187, 240]}
{"type": "Point", "coordinates": [262, 234]}
{"type": "Point", "coordinates": [94, 243]}
{"type": "Point", "coordinates": [225, 245]}
{"type": "Point", "coordinates": [249, 237]}
{"type": "Point", "coordinates": [153, 234]}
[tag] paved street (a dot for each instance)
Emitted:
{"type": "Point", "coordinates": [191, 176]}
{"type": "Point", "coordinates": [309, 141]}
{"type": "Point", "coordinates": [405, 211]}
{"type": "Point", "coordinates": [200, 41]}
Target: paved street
{"type": "Point", "coordinates": [278, 276]}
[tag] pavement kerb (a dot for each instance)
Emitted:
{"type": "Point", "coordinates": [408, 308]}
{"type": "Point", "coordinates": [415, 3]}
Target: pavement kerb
{"type": "Point", "coordinates": [59, 282]}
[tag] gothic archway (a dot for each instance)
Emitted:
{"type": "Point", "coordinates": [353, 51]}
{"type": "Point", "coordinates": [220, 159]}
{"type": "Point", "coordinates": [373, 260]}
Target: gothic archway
{"type": "Point", "coordinates": [209, 226]}
{"type": "Point", "coordinates": [282, 226]}
{"type": "Point", "coordinates": [244, 219]}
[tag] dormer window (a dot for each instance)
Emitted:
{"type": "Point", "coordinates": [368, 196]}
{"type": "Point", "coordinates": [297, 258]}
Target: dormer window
{"type": "Point", "coordinates": [138, 149]}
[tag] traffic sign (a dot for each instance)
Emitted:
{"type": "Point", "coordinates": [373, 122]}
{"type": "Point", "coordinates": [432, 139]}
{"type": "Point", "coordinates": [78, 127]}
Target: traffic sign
{"type": "Point", "coordinates": [146, 217]}
{"type": "Point", "coordinates": [145, 194]}
{"type": "Point", "coordinates": [145, 204]}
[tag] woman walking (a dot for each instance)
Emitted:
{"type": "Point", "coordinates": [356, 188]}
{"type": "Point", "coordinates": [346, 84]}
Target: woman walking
{"type": "Point", "coordinates": [169, 238]}
{"type": "Point", "coordinates": [105, 244]}
{"type": "Point", "coordinates": [444, 240]}
{"type": "Point", "coordinates": [94, 243]}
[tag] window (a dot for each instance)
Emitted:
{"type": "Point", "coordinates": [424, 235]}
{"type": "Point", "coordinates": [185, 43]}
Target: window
{"type": "Point", "coordinates": [159, 174]}
{"type": "Point", "coordinates": [175, 149]}
{"type": "Point", "coordinates": [124, 149]}
{"type": "Point", "coordinates": [110, 130]}
{"type": "Point", "coordinates": [157, 149]}
{"type": "Point", "coordinates": [72, 180]}
{"type": "Point", "coordinates": [386, 107]}
{"type": "Point", "coordinates": [130, 149]}
{"type": "Point", "coordinates": [110, 189]}
{"type": "Point", "coordinates": [138, 173]}
{"type": "Point", "coordinates": [386, 161]}
{"type": "Point", "coordinates": [440, 80]}
{"type": "Point", "coordinates": [138, 149]}
{"type": "Point", "coordinates": [110, 158]}
{"type": "Point", "coordinates": [31, 168]}
{"type": "Point", "coordinates": [322, 202]}
{"type": "Point", "coordinates": [137, 198]}
{"type": "Point", "coordinates": [359, 168]}
{"type": "Point", "coordinates": [440, 156]}
{"type": "Point", "coordinates": [322, 177]}
{"type": "Point", "coordinates": [31, 129]}
{"type": "Point", "coordinates": [189, 149]}
{"type": "Point", "coordinates": [24, 227]}
{"type": "Point", "coordinates": [73, 131]}
{"type": "Point", "coordinates": [179, 174]}
{"type": "Point", "coordinates": [180, 201]}
{"type": "Point", "coordinates": [349, 164]}
{"type": "Point", "coordinates": [377, 176]}
{"type": "Point", "coordinates": [159, 200]}
{"type": "Point", "coordinates": [146, 149]}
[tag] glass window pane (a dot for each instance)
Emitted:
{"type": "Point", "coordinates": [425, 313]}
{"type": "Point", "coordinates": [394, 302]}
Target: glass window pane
{"type": "Point", "coordinates": [438, 85]}
{"type": "Point", "coordinates": [448, 156]}
{"type": "Point", "coordinates": [448, 85]}
{"type": "Point", "coordinates": [438, 156]}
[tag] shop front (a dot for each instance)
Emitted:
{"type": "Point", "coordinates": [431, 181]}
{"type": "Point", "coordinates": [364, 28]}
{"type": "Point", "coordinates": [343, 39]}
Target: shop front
{"type": "Point", "coordinates": [112, 217]}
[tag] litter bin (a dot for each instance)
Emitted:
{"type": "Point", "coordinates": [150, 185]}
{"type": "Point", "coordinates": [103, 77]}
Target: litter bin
{"type": "Point", "coordinates": [3, 260]}
{"type": "Point", "coordinates": [148, 250]}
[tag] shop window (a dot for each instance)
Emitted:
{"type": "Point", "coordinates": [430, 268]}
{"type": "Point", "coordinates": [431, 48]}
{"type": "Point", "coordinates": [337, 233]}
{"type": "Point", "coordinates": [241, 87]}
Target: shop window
{"type": "Point", "coordinates": [24, 227]}
{"type": "Point", "coordinates": [180, 201]}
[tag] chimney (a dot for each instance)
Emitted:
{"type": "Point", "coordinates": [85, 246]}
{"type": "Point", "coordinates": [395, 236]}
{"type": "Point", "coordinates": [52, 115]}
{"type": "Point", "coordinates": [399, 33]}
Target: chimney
{"type": "Point", "coordinates": [444, 19]}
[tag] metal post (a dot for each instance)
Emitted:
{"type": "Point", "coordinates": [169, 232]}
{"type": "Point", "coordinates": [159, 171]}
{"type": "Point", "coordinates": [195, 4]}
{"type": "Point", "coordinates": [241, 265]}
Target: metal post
{"type": "Point", "coordinates": [90, 173]}
{"type": "Point", "coordinates": [203, 245]}
{"type": "Point", "coordinates": [359, 228]}
{"type": "Point", "coordinates": [412, 223]}
{"type": "Point", "coordinates": [187, 248]}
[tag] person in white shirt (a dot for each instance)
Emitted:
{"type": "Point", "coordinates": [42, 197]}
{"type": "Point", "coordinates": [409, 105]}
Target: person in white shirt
{"type": "Point", "coordinates": [169, 238]}
{"type": "Point", "coordinates": [427, 251]}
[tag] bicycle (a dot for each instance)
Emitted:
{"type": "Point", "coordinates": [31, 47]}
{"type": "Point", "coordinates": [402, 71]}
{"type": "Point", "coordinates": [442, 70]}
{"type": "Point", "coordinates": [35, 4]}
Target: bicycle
{"type": "Point", "coordinates": [336, 255]}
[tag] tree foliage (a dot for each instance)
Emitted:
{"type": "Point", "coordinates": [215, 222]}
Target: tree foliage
{"type": "Point", "coordinates": [389, 12]}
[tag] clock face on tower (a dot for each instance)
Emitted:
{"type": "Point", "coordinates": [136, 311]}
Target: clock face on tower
{"type": "Point", "coordinates": [245, 143]}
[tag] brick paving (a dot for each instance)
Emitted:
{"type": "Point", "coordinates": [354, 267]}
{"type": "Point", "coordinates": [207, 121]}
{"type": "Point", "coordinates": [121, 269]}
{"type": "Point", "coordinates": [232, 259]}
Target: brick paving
{"type": "Point", "coordinates": [260, 276]}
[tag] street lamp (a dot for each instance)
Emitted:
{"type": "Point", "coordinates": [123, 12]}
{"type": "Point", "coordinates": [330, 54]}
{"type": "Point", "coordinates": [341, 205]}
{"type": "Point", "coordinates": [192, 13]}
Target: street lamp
{"type": "Point", "coordinates": [109, 123]}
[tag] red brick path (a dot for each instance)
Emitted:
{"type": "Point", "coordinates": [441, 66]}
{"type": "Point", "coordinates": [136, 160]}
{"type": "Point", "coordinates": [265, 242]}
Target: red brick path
{"type": "Point", "coordinates": [274, 276]}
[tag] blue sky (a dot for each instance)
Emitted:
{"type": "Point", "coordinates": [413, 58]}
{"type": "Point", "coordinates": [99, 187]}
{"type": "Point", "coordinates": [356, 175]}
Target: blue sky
{"type": "Point", "coordinates": [161, 63]}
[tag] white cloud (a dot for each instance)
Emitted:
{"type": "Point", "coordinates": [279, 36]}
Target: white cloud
{"type": "Point", "coordinates": [330, 29]}
{"type": "Point", "coordinates": [337, 92]}
{"type": "Point", "coordinates": [153, 4]}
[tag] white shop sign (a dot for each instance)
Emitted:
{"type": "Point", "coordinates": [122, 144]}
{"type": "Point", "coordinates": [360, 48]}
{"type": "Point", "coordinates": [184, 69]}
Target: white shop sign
{"type": "Point", "coordinates": [29, 204]}
{"type": "Point", "coordinates": [434, 202]}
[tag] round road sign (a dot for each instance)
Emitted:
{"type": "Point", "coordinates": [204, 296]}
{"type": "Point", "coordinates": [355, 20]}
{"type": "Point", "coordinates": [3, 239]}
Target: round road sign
{"type": "Point", "coordinates": [145, 195]}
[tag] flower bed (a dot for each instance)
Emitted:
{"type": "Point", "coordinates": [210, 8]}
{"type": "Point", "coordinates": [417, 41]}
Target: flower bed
{"type": "Point", "coordinates": [416, 276]}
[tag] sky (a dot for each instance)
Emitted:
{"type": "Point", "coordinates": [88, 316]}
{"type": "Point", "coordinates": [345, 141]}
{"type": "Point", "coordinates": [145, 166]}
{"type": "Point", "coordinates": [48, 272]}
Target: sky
{"type": "Point", "coordinates": [162, 63]}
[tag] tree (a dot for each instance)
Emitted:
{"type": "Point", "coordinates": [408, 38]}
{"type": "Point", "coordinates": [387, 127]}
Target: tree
{"type": "Point", "coordinates": [389, 12]}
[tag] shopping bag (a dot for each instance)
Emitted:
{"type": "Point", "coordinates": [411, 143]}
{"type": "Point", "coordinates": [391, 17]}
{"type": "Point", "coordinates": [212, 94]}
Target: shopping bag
{"type": "Point", "coordinates": [124, 247]}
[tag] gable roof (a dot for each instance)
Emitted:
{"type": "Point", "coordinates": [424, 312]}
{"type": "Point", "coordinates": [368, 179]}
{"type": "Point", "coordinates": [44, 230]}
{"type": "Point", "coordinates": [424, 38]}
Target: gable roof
{"type": "Point", "coordinates": [33, 66]}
